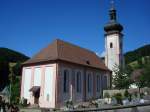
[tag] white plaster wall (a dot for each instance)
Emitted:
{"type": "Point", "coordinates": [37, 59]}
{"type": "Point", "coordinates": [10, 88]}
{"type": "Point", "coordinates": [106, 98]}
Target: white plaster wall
{"type": "Point", "coordinates": [37, 76]}
{"type": "Point", "coordinates": [48, 83]}
{"type": "Point", "coordinates": [27, 82]}
{"type": "Point", "coordinates": [48, 86]}
{"type": "Point", "coordinates": [43, 76]}
{"type": "Point", "coordinates": [113, 54]}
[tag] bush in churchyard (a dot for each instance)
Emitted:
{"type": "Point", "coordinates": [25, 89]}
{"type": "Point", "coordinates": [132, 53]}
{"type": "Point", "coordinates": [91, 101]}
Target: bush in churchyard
{"type": "Point", "coordinates": [118, 97]}
{"type": "Point", "coordinates": [106, 95]}
{"type": "Point", "coordinates": [69, 104]}
{"type": "Point", "coordinates": [126, 94]}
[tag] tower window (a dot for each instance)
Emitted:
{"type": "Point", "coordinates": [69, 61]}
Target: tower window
{"type": "Point", "coordinates": [111, 45]}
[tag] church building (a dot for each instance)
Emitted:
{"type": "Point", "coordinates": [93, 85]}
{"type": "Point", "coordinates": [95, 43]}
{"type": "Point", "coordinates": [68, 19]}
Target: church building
{"type": "Point", "coordinates": [63, 71]}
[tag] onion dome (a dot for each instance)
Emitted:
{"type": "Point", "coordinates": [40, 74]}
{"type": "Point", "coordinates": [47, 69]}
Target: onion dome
{"type": "Point", "coordinates": [113, 25]}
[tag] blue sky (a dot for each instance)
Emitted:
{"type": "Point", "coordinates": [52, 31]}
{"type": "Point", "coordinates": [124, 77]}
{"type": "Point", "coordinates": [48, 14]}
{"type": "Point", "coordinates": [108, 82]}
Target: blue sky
{"type": "Point", "coordinates": [29, 25]}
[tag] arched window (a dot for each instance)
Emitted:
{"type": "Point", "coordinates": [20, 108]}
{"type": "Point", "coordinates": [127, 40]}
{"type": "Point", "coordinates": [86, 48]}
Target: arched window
{"type": "Point", "coordinates": [104, 82]}
{"type": "Point", "coordinates": [89, 83]}
{"type": "Point", "coordinates": [98, 83]}
{"type": "Point", "coordinates": [66, 81]}
{"type": "Point", "coordinates": [111, 45]}
{"type": "Point", "coordinates": [78, 82]}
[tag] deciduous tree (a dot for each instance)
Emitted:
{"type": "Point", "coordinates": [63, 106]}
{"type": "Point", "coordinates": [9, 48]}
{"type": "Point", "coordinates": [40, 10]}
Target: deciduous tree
{"type": "Point", "coordinates": [121, 79]}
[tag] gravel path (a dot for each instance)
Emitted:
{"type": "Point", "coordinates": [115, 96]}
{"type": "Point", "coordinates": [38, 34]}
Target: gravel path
{"type": "Point", "coordinates": [30, 110]}
{"type": "Point", "coordinates": [139, 109]}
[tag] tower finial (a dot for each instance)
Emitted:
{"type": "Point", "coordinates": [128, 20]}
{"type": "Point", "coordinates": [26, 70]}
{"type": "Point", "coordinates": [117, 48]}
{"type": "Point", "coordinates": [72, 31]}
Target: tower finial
{"type": "Point", "coordinates": [112, 2]}
{"type": "Point", "coordinates": [112, 11]}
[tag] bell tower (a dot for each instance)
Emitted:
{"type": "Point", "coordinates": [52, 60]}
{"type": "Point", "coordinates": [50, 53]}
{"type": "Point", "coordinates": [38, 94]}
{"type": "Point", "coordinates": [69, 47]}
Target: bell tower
{"type": "Point", "coordinates": [113, 40]}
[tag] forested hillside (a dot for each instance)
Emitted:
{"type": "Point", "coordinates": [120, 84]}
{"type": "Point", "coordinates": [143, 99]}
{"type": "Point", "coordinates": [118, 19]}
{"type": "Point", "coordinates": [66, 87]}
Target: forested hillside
{"type": "Point", "coordinates": [137, 54]}
{"type": "Point", "coordinates": [138, 62]}
{"type": "Point", "coordinates": [11, 55]}
{"type": "Point", "coordinates": [8, 56]}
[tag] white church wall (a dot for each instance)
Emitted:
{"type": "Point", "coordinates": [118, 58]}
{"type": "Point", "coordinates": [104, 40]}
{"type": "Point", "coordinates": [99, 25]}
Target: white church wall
{"type": "Point", "coordinates": [37, 76]}
{"type": "Point", "coordinates": [48, 84]}
{"type": "Point", "coordinates": [27, 82]}
{"type": "Point", "coordinates": [43, 76]}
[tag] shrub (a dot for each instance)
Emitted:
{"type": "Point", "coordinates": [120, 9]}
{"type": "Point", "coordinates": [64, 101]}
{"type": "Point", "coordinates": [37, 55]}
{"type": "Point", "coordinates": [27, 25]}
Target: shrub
{"type": "Point", "coordinates": [23, 102]}
{"type": "Point", "coordinates": [136, 94]}
{"type": "Point", "coordinates": [130, 97]}
{"type": "Point", "coordinates": [118, 97]}
{"type": "Point", "coordinates": [93, 103]}
{"type": "Point", "coordinates": [141, 95]}
{"type": "Point", "coordinates": [69, 104]}
{"type": "Point", "coordinates": [126, 94]}
{"type": "Point", "coordinates": [106, 95]}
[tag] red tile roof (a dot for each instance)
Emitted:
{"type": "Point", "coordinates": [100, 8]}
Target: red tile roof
{"type": "Point", "coordinates": [60, 50]}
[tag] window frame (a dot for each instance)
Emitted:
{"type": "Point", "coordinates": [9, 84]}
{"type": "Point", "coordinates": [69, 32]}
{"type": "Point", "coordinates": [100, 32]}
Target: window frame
{"type": "Point", "coordinates": [78, 82]}
{"type": "Point", "coordinates": [98, 83]}
{"type": "Point", "coordinates": [66, 81]}
{"type": "Point", "coordinates": [89, 88]}
{"type": "Point", "coordinates": [105, 79]}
